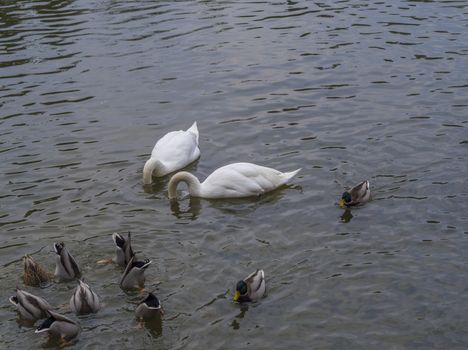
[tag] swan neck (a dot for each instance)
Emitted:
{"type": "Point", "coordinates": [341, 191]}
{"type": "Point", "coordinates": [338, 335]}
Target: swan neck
{"type": "Point", "coordinates": [194, 185]}
{"type": "Point", "coordinates": [152, 165]}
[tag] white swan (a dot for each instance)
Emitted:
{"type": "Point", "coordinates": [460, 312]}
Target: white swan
{"type": "Point", "coordinates": [232, 181]}
{"type": "Point", "coordinates": [173, 151]}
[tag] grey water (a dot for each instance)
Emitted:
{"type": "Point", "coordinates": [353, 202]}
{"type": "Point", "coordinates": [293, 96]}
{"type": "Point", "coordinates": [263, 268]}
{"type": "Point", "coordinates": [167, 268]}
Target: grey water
{"type": "Point", "coordinates": [345, 90]}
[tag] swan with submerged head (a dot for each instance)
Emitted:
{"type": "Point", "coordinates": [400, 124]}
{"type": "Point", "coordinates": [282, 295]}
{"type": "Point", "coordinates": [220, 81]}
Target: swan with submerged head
{"type": "Point", "coordinates": [172, 152]}
{"type": "Point", "coordinates": [235, 180]}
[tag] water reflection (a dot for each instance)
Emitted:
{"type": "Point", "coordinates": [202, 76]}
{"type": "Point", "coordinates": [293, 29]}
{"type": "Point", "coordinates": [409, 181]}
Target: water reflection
{"type": "Point", "coordinates": [229, 206]}
{"type": "Point", "coordinates": [153, 326]}
{"type": "Point", "coordinates": [158, 185]}
{"type": "Point", "coordinates": [346, 216]}
{"type": "Point", "coordinates": [191, 212]}
{"type": "Point", "coordinates": [235, 324]}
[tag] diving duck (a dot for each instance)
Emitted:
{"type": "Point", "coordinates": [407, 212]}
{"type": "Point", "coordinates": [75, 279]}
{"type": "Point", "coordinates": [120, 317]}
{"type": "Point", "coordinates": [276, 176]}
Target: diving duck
{"type": "Point", "coordinates": [66, 268]}
{"type": "Point", "coordinates": [59, 326]}
{"type": "Point", "coordinates": [357, 195]}
{"type": "Point", "coordinates": [234, 180]}
{"type": "Point", "coordinates": [134, 274]}
{"type": "Point", "coordinates": [29, 306]}
{"type": "Point", "coordinates": [84, 300]}
{"type": "Point", "coordinates": [172, 152]}
{"type": "Point", "coordinates": [149, 308]}
{"type": "Point", "coordinates": [251, 288]}
{"type": "Point", "coordinates": [34, 274]}
{"type": "Point", "coordinates": [123, 249]}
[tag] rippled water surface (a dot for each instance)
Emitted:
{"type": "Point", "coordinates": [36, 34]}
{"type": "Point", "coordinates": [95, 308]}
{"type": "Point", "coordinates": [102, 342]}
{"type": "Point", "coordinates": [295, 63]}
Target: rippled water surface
{"type": "Point", "coordinates": [347, 90]}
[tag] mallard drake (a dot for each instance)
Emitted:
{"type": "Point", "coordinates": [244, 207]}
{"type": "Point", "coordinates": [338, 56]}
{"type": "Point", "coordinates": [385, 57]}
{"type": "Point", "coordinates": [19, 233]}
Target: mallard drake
{"type": "Point", "coordinates": [357, 195]}
{"type": "Point", "coordinates": [123, 249]}
{"type": "Point", "coordinates": [251, 288]}
{"type": "Point", "coordinates": [172, 152]}
{"type": "Point", "coordinates": [232, 181]}
{"type": "Point", "coordinates": [149, 308]}
{"type": "Point", "coordinates": [29, 306]}
{"type": "Point", "coordinates": [134, 274]}
{"type": "Point", "coordinates": [84, 300]}
{"type": "Point", "coordinates": [34, 274]}
{"type": "Point", "coordinates": [59, 326]}
{"type": "Point", "coordinates": [66, 268]}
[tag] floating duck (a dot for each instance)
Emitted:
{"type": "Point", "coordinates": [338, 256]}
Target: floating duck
{"type": "Point", "coordinates": [149, 308]}
{"type": "Point", "coordinates": [34, 274]}
{"type": "Point", "coordinates": [251, 288]}
{"type": "Point", "coordinates": [172, 152]}
{"type": "Point", "coordinates": [134, 274]}
{"type": "Point", "coordinates": [232, 181]}
{"type": "Point", "coordinates": [84, 300]}
{"type": "Point", "coordinates": [357, 195]}
{"type": "Point", "coordinates": [30, 307]}
{"type": "Point", "coordinates": [66, 268]}
{"type": "Point", "coordinates": [59, 326]}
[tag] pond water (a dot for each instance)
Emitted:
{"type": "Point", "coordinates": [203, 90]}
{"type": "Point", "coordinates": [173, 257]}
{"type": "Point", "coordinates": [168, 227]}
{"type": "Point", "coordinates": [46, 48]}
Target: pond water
{"type": "Point", "coordinates": [346, 90]}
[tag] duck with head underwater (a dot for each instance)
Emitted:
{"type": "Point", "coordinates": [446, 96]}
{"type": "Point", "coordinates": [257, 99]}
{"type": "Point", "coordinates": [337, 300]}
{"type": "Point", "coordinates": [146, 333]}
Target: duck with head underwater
{"type": "Point", "coordinates": [251, 288]}
{"type": "Point", "coordinates": [149, 308]}
{"type": "Point", "coordinates": [30, 307]}
{"type": "Point", "coordinates": [84, 300]}
{"type": "Point", "coordinates": [358, 195]}
{"type": "Point", "coordinates": [59, 326]}
{"type": "Point", "coordinates": [66, 267]}
{"type": "Point", "coordinates": [34, 274]}
{"type": "Point", "coordinates": [134, 275]}
{"type": "Point", "coordinates": [123, 249]}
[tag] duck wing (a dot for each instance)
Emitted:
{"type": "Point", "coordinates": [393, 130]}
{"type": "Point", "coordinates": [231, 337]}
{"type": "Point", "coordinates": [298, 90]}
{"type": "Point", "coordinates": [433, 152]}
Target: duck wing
{"type": "Point", "coordinates": [360, 192]}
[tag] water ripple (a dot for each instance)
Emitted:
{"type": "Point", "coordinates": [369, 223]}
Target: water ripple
{"type": "Point", "coordinates": [346, 90]}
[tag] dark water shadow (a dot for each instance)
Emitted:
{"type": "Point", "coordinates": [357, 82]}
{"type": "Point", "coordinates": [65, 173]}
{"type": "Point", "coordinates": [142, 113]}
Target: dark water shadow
{"type": "Point", "coordinates": [235, 324]}
{"type": "Point", "coordinates": [346, 216]}
{"type": "Point", "coordinates": [54, 342]}
{"type": "Point", "coordinates": [154, 326]}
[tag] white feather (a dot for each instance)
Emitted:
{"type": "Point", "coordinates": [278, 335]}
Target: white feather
{"type": "Point", "coordinates": [233, 181]}
{"type": "Point", "coordinates": [172, 152]}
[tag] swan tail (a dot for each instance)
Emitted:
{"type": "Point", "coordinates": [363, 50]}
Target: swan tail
{"type": "Point", "coordinates": [194, 129]}
{"type": "Point", "coordinates": [291, 174]}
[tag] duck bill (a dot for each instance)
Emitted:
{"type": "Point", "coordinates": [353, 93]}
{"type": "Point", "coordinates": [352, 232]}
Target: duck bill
{"type": "Point", "coordinates": [236, 296]}
{"type": "Point", "coordinates": [342, 204]}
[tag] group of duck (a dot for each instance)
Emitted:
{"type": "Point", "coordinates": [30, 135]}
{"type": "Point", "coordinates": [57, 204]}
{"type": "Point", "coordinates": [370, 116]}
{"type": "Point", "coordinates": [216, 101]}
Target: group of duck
{"type": "Point", "coordinates": [83, 300]}
{"type": "Point", "coordinates": [172, 152]}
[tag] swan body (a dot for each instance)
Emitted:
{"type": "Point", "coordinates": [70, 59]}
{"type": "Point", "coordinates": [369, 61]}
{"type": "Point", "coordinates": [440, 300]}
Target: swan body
{"type": "Point", "coordinates": [357, 195]}
{"type": "Point", "coordinates": [59, 326]}
{"type": "Point", "coordinates": [84, 300]}
{"type": "Point", "coordinates": [29, 306]}
{"type": "Point", "coordinates": [235, 180]}
{"type": "Point", "coordinates": [251, 288]}
{"type": "Point", "coordinates": [172, 152]}
{"type": "Point", "coordinates": [66, 267]}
